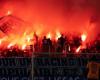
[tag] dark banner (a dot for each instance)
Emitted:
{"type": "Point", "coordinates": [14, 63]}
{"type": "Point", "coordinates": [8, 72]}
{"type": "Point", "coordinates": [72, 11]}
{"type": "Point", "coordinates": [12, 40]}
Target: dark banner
{"type": "Point", "coordinates": [15, 68]}
{"type": "Point", "coordinates": [43, 68]}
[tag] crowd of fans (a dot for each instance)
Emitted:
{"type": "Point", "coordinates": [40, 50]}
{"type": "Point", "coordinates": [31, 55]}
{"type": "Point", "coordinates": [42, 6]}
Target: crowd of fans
{"type": "Point", "coordinates": [62, 45]}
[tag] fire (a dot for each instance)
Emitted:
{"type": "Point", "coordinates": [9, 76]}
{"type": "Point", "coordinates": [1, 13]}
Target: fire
{"type": "Point", "coordinates": [58, 35]}
{"type": "Point", "coordinates": [10, 45]}
{"type": "Point", "coordinates": [69, 48]}
{"type": "Point", "coordinates": [9, 13]}
{"type": "Point", "coordinates": [48, 35]}
{"type": "Point", "coordinates": [83, 37]}
{"type": "Point", "coordinates": [23, 46]}
{"type": "Point", "coordinates": [0, 42]}
{"type": "Point", "coordinates": [78, 49]}
{"type": "Point", "coordinates": [2, 39]}
{"type": "Point", "coordinates": [28, 39]}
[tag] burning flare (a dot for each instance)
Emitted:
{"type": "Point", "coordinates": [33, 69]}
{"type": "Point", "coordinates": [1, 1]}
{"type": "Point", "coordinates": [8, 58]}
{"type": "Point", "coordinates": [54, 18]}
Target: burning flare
{"type": "Point", "coordinates": [49, 35]}
{"type": "Point", "coordinates": [10, 45]}
{"type": "Point", "coordinates": [2, 39]}
{"type": "Point", "coordinates": [23, 46]}
{"type": "Point", "coordinates": [83, 37]}
{"type": "Point", "coordinates": [78, 49]}
{"type": "Point", "coordinates": [58, 35]}
{"type": "Point", "coordinates": [9, 13]}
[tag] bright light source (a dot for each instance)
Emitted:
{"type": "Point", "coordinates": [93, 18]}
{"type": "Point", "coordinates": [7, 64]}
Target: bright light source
{"type": "Point", "coordinates": [10, 45]}
{"type": "Point", "coordinates": [28, 39]}
{"type": "Point", "coordinates": [58, 35]}
{"type": "Point", "coordinates": [23, 46]}
{"type": "Point", "coordinates": [0, 42]}
{"type": "Point", "coordinates": [78, 49]}
{"type": "Point", "coordinates": [48, 35]}
{"type": "Point", "coordinates": [83, 37]}
{"type": "Point", "coordinates": [9, 13]}
{"type": "Point", "coordinates": [69, 48]}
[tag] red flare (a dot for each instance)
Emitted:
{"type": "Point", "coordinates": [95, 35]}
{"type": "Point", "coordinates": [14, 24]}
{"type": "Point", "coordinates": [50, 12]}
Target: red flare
{"type": "Point", "coordinates": [9, 13]}
{"type": "Point", "coordinates": [83, 37]}
{"type": "Point", "coordinates": [78, 49]}
{"type": "Point", "coordinates": [58, 35]}
{"type": "Point", "coordinates": [49, 35]}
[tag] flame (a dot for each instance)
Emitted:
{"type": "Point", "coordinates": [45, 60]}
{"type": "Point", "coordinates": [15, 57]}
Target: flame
{"type": "Point", "coordinates": [10, 45]}
{"type": "Point", "coordinates": [83, 37]}
{"type": "Point", "coordinates": [21, 40]}
{"type": "Point", "coordinates": [28, 39]}
{"type": "Point", "coordinates": [1, 40]}
{"type": "Point", "coordinates": [49, 35]}
{"type": "Point", "coordinates": [78, 49]}
{"type": "Point", "coordinates": [9, 12]}
{"type": "Point", "coordinates": [58, 35]}
{"type": "Point", "coordinates": [69, 48]}
{"type": "Point", "coordinates": [23, 46]}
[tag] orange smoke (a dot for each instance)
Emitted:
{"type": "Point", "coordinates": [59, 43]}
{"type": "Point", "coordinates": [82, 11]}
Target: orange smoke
{"type": "Point", "coordinates": [24, 39]}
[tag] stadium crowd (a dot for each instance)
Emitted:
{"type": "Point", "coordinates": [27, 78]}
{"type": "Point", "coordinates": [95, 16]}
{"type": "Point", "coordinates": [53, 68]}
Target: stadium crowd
{"type": "Point", "coordinates": [62, 45]}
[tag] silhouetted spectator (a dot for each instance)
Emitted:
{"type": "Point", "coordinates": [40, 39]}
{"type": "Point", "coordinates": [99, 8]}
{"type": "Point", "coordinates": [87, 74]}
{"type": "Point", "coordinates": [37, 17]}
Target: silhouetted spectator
{"type": "Point", "coordinates": [97, 45]}
{"type": "Point", "coordinates": [49, 44]}
{"type": "Point", "coordinates": [77, 41]}
{"type": "Point", "coordinates": [36, 43]}
{"type": "Point", "coordinates": [60, 43]}
{"type": "Point", "coordinates": [45, 47]}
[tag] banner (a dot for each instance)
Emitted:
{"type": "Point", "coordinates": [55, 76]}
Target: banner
{"type": "Point", "coordinates": [44, 68]}
{"type": "Point", "coordinates": [15, 69]}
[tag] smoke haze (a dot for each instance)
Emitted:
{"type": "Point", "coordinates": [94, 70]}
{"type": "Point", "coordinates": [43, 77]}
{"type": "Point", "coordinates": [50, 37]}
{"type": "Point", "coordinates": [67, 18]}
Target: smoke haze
{"type": "Point", "coordinates": [50, 15]}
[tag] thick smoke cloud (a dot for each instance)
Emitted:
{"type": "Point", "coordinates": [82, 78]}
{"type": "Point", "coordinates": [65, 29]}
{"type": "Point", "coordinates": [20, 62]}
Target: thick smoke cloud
{"type": "Point", "coordinates": [64, 15]}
